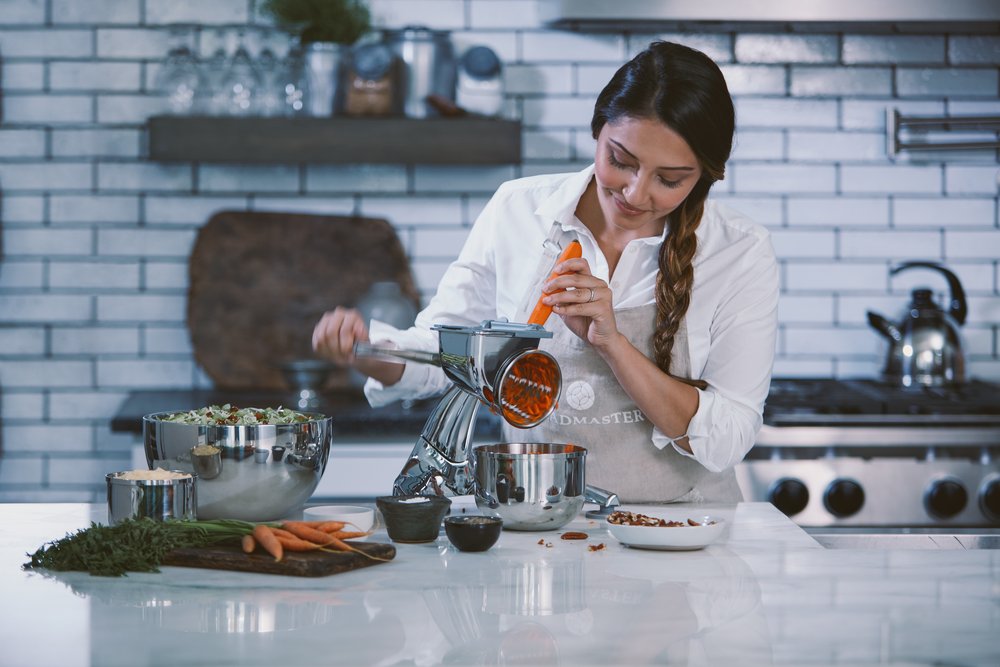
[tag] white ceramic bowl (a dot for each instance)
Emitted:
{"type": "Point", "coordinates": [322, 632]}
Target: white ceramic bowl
{"type": "Point", "coordinates": [359, 517]}
{"type": "Point", "coordinates": [670, 538]}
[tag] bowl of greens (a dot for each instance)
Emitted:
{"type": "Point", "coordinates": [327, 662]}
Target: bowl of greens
{"type": "Point", "coordinates": [265, 462]}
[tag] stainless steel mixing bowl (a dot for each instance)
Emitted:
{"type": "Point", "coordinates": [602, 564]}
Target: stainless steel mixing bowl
{"type": "Point", "coordinates": [245, 488]}
{"type": "Point", "coordinates": [539, 486]}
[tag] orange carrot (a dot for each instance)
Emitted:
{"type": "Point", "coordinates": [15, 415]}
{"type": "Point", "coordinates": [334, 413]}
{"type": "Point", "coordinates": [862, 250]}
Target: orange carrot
{"type": "Point", "coordinates": [249, 544]}
{"type": "Point", "coordinates": [305, 532]}
{"type": "Point", "coordinates": [298, 544]}
{"type": "Point", "coordinates": [348, 534]}
{"type": "Point", "coordinates": [281, 532]}
{"type": "Point", "coordinates": [339, 545]}
{"type": "Point", "coordinates": [542, 311]}
{"type": "Point", "coordinates": [268, 540]}
{"type": "Point", "coordinates": [332, 526]}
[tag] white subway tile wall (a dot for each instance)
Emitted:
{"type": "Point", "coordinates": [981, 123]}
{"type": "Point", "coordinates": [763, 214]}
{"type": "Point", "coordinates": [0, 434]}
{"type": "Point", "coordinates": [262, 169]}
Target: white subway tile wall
{"type": "Point", "coordinates": [95, 238]}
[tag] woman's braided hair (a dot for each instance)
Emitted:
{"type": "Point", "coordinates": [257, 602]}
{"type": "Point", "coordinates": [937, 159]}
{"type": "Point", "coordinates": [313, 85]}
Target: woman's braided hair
{"type": "Point", "coordinates": [685, 90]}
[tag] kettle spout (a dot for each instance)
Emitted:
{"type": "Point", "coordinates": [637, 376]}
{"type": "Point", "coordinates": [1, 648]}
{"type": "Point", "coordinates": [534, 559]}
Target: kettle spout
{"type": "Point", "coordinates": [884, 327]}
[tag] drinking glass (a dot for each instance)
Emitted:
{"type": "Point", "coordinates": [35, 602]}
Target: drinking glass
{"type": "Point", "coordinates": [212, 96]}
{"type": "Point", "coordinates": [178, 78]}
{"type": "Point", "coordinates": [242, 81]}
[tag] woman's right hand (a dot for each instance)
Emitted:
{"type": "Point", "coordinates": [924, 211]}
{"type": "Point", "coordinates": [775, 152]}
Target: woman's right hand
{"type": "Point", "coordinates": [334, 337]}
{"type": "Point", "coordinates": [336, 333]}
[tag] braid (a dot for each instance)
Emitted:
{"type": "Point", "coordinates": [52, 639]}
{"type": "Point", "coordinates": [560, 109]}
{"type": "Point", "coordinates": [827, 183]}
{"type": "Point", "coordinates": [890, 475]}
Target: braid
{"type": "Point", "coordinates": [676, 277]}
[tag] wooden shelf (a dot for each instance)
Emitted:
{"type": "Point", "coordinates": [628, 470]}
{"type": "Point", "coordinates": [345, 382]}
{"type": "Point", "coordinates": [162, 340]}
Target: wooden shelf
{"type": "Point", "coordinates": [342, 140]}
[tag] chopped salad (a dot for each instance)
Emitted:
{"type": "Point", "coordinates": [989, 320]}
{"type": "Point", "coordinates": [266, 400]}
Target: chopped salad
{"type": "Point", "coordinates": [230, 415]}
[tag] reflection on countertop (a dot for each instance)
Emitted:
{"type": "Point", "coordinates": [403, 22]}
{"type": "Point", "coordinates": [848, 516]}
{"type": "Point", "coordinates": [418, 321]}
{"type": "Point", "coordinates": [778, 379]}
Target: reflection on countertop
{"type": "Point", "coordinates": [765, 593]}
{"type": "Point", "coordinates": [352, 415]}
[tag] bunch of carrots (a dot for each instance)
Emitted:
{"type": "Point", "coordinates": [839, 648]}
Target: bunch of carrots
{"type": "Point", "coordinates": [301, 536]}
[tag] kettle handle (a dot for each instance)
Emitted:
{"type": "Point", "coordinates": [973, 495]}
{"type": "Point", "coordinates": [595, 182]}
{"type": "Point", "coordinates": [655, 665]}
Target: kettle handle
{"type": "Point", "coordinates": [957, 307]}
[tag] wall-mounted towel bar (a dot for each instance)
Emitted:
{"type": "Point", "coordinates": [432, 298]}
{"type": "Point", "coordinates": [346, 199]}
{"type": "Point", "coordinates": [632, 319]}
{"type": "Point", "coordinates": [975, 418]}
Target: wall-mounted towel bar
{"type": "Point", "coordinates": [895, 122]}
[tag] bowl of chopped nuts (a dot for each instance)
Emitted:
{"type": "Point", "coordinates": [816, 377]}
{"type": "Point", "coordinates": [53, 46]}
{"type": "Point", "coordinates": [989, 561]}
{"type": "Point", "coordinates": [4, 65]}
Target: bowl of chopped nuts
{"type": "Point", "coordinates": [676, 532]}
{"type": "Point", "coordinates": [254, 464]}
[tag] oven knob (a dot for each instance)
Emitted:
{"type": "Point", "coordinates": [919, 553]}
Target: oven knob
{"type": "Point", "coordinates": [843, 498]}
{"type": "Point", "coordinates": [789, 495]}
{"type": "Point", "coordinates": [945, 498]}
{"type": "Point", "coordinates": [989, 498]}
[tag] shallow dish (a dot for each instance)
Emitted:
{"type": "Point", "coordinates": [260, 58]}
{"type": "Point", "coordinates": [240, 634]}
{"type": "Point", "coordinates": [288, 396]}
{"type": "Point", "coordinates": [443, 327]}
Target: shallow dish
{"type": "Point", "coordinates": [356, 516]}
{"type": "Point", "coordinates": [670, 538]}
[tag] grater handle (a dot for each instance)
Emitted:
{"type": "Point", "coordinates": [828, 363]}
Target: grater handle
{"type": "Point", "coordinates": [395, 355]}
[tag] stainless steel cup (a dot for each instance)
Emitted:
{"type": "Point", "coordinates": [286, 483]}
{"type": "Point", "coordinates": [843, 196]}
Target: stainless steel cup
{"type": "Point", "coordinates": [208, 465]}
{"type": "Point", "coordinates": [531, 486]}
{"type": "Point", "coordinates": [157, 499]}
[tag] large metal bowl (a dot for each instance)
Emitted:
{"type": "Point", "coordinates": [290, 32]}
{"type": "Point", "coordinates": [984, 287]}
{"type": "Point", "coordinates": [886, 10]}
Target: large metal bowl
{"type": "Point", "coordinates": [252, 477]}
{"type": "Point", "coordinates": [537, 486]}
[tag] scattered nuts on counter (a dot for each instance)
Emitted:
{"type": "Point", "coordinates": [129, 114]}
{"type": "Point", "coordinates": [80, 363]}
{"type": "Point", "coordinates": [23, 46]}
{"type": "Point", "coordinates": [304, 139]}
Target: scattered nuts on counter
{"type": "Point", "coordinates": [574, 535]}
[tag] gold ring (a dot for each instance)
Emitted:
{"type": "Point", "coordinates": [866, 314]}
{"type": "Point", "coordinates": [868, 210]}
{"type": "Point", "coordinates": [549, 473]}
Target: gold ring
{"type": "Point", "coordinates": [591, 295]}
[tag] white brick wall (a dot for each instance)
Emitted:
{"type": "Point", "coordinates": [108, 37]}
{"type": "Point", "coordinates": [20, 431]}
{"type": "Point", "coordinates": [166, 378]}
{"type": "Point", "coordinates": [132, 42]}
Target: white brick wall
{"type": "Point", "coordinates": [93, 274]}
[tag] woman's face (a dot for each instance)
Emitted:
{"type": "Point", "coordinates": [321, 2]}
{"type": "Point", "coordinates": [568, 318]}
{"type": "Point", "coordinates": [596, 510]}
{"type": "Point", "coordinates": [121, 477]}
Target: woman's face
{"type": "Point", "coordinates": [644, 170]}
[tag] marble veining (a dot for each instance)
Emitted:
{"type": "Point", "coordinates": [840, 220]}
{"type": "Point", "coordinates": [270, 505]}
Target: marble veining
{"type": "Point", "coordinates": [764, 594]}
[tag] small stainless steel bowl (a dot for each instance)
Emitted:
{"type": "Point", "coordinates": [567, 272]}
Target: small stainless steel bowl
{"type": "Point", "coordinates": [531, 486]}
{"type": "Point", "coordinates": [156, 499]}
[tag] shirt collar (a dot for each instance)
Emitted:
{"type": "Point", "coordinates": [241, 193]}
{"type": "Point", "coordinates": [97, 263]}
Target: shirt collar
{"type": "Point", "coordinates": [560, 206]}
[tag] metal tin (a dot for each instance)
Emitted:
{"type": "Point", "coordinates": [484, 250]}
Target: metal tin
{"type": "Point", "coordinates": [428, 67]}
{"type": "Point", "coordinates": [156, 499]}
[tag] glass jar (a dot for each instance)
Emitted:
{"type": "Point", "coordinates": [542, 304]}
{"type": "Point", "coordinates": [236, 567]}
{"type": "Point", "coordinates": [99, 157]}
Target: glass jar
{"type": "Point", "coordinates": [370, 81]}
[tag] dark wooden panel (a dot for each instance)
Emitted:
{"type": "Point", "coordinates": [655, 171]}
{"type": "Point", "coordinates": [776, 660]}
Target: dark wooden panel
{"type": "Point", "coordinates": [296, 564]}
{"type": "Point", "coordinates": [260, 281]}
{"type": "Point", "coordinates": [461, 140]}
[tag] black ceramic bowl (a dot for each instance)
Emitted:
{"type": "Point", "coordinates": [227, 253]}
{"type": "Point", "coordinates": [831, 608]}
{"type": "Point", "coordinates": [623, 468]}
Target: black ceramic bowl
{"type": "Point", "coordinates": [413, 519]}
{"type": "Point", "coordinates": [472, 532]}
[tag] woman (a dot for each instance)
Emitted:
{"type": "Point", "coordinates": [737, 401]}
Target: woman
{"type": "Point", "coordinates": [664, 329]}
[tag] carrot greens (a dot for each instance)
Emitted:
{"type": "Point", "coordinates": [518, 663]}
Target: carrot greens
{"type": "Point", "coordinates": [134, 545]}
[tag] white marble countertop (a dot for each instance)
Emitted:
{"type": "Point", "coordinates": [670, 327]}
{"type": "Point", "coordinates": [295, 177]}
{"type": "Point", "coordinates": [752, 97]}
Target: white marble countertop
{"type": "Point", "coordinates": [765, 593]}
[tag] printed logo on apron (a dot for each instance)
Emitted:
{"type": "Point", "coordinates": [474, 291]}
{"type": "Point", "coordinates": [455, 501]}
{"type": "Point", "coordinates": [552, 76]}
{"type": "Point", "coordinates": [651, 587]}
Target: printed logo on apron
{"type": "Point", "coordinates": [579, 395]}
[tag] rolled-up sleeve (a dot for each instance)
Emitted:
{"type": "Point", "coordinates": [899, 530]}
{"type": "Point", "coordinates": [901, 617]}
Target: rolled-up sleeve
{"type": "Point", "coordinates": [738, 369]}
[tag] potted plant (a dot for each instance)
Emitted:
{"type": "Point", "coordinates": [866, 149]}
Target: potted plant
{"type": "Point", "coordinates": [325, 30]}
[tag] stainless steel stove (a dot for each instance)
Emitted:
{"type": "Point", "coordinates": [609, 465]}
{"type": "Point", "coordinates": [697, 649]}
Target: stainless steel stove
{"type": "Point", "coordinates": [863, 453]}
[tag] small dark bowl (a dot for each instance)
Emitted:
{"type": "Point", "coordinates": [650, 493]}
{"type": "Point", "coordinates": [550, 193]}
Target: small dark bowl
{"type": "Point", "coordinates": [473, 532]}
{"type": "Point", "coordinates": [413, 519]}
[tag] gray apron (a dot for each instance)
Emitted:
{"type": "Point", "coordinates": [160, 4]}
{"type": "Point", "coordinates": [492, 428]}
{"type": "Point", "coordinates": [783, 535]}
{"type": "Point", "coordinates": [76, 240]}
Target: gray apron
{"type": "Point", "coordinates": [595, 412]}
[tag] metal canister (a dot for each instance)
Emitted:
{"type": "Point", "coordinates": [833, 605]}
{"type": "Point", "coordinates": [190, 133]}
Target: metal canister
{"type": "Point", "coordinates": [157, 499]}
{"type": "Point", "coordinates": [428, 67]}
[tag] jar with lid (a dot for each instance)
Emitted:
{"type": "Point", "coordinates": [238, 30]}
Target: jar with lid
{"type": "Point", "coordinates": [480, 85]}
{"type": "Point", "coordinates": [371, 81]}
{"type": "Point", "coordinates": [427, 68]}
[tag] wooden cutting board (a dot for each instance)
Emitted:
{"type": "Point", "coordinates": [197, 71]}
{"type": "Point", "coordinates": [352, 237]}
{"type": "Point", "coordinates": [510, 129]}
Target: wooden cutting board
{"type": "Point", "coordinates": [296, 564]}
{"type": "Point", "coordinates": [260, 281]}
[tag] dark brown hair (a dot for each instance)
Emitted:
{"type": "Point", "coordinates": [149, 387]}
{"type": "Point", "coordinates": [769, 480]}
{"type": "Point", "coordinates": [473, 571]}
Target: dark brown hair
{"type": "Point", "coordinates": [685, 90]}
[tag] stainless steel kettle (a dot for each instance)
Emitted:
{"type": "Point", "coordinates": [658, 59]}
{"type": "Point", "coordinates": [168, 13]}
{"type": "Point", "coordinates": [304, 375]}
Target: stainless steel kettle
{"type": "Point", "coordinates": [925, 347]}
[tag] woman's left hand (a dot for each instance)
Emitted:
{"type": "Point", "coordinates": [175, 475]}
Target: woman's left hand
{"type": "Point", "coordinates": [583, 301]}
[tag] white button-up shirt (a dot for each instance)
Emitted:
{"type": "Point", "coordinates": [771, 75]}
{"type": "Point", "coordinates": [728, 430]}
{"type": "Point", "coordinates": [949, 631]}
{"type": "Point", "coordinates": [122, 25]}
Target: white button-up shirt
{"type": "Point", "coordinates": [731, 320]}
